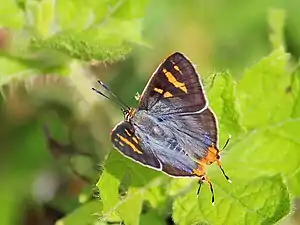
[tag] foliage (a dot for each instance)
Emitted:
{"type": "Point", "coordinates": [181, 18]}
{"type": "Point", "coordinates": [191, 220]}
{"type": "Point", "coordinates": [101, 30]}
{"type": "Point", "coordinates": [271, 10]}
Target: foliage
{"type": "Point", "coordinates": [46, 35]}
{"type": "Point", "coordinates": [264, 137]}
{"type": "Point", "coordinates": [258, 111]}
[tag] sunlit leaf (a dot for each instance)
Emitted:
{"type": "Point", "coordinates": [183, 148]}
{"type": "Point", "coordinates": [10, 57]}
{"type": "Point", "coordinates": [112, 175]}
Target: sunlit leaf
{"type": "Point", "coordinates": [141, 180]}
{"type": "Point", "coordinates": [83, 215]}
{"type": "Point", "coordinates": [261, 91]}
{"type": "Point", "coordinates": [223, 102]}
{"type": "Point", "coordinates": [261, 201]}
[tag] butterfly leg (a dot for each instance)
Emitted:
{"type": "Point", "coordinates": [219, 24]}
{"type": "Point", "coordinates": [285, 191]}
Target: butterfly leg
{"type": "Point", "coordinates": [205, 179]}
{"type": "Point", "coordinates": [219, 158]}
{"type": "Point", "coordinates": [221, 168]}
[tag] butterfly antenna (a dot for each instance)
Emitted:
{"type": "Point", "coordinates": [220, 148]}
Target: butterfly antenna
{"type": "Point", "coordinates": [113, 94]}
{"type": "Point", "coordinates": [113, 100]}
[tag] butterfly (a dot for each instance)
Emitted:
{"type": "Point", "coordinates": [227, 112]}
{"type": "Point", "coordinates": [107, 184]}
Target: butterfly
{"type": "Point", "coordinates": [172, 130]}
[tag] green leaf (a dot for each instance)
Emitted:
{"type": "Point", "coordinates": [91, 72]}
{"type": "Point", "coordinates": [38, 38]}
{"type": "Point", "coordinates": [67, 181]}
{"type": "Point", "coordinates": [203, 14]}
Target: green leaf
{"type": "Point", "coordinates": [264, 200]}
{"type": "Point", "coordinates": [223, 102]}
{"type": "Point", "coordinates": [131, 207]}
{"type": "Point", "coordinates": [295, 92]}
{"type": "Point", "coordinates": [87, 34]}
{"type": "Point", "coordinates": [42, 15]}
{"type": "Point", "coordinates": [86, 214]}
{"type": "Point", "coordinates": [53, 33]}
{"type": "Point", "coordinates": [276, 19]}
{"type": "Point", "coordinates": [152, 218]}
{"type": "Point", "coordinates": [11, 15]}
{"type": "Point", "coordinates": [269, 150]}
{"type": "Point", "coordinates": [111, 42]}
{"type": "Point", "coordinates": [141, 181]}
{"type": "Point", "coordinates": [80, 46]}
{"type": "Point", "coordinates": [262, 91]}
{"type": "Point", "coordinates": [108, 186]}
{"type": "Point", "coordinates": [129, 9]}
{"type": "Point", "coordinates": [271, 112]}
{"type": "Point", "coordinates": [78, 15]}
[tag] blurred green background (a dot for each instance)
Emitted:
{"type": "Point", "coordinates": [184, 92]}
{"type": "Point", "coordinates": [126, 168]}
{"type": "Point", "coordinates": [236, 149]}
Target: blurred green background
{"type": "Point", "coordinates": [54, 131]}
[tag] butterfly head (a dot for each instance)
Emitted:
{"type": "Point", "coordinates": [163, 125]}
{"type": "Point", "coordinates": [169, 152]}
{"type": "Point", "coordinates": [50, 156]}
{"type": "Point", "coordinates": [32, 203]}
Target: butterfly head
{"type": "Point", "coordinates": [128, 114]}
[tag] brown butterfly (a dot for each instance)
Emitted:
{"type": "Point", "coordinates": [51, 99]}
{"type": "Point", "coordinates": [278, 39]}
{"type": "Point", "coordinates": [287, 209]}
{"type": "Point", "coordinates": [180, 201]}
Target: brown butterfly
{"type": "Point", "coordinates": [172, 130]}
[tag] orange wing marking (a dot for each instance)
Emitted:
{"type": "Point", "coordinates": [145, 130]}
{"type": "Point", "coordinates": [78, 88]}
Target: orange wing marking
{"type": "Point", "coordinates": [160, 91]}
{"type": "Point", "coordinates": [175, 82]}
{"type": "Point", "coordinates": [135, 140]}
{"type": "Point", "coordinates": [167, 94]}
{"type": "Point", "coordinates": [132, 146]}
{"type": "Point", "coordinates": [178, 69]}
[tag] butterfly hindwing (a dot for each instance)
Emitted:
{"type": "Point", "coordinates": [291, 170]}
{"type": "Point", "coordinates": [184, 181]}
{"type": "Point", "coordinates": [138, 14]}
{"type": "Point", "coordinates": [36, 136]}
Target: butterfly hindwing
{"type": "Point", "coordinates": [178, 165]}
{"type": "Point", "coordinates": [124, 140]}
{"type": "Point", "coordinates": [196, 132]}
{"type": "Point", "coordinates": [176, 172]}
{"type": "Point", "coordinates": [174, 88]}
{"type": "Point", "coordinates": [192, 136]}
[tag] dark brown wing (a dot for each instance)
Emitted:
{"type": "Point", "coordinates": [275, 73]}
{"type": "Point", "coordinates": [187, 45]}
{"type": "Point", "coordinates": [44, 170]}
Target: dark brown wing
{"type": "Point", "coordinates": [126, 142]}
{"type": "Point", "coordinates": [177, 172]}
{"type": "Point", "coordinates": [174, 88]}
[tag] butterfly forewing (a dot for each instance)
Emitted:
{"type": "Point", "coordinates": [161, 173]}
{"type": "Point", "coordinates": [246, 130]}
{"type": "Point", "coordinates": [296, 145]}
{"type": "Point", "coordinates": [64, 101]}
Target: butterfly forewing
{"type": "Point", "coordinates": [174, 88]}
{"type": "Point", "coordinates": [124, 140]}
